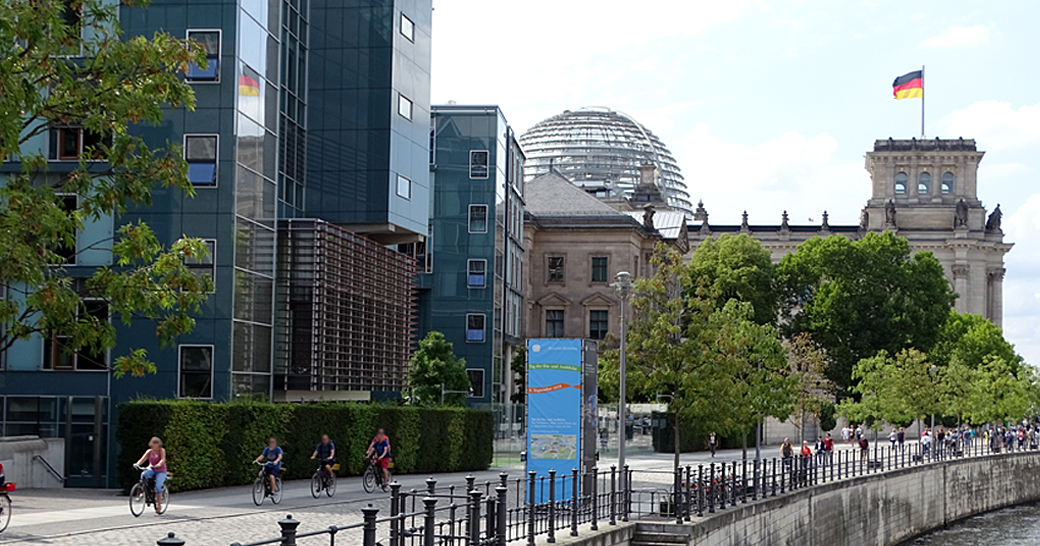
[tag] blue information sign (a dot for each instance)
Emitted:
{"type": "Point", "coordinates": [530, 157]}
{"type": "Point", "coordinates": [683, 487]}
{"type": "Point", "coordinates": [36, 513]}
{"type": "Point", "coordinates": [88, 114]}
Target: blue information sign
{"type": "Point", "coordinates": [554, 380]}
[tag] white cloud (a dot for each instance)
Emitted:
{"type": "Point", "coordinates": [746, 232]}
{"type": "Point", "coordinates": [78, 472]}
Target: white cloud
{"type": "Point", "coordinates": [1021, 289]}
{"type": "Point", "coordinates": [995, 125]}
{"type": "Point", "coordinates": [961, 36]}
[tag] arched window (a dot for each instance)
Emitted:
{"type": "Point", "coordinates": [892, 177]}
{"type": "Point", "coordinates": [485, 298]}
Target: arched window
{"type": "Point", "coordinates": [901, 179]}
{"type": "Point", "coordinates": [924, 183]}
{"type": "Point", "coordinates": [947, 182]}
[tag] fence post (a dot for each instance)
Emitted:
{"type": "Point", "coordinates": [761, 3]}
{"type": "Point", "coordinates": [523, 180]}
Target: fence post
{"type": "Point", "coordinates": [470, 480]}
{"type": "Point", "coordinates": [369, 536]}
{"type": "Point", "coordinates": [532, 501]}
{"type": "Point", "coordinates": [774, 476]}
{"type": "Point", "coordinates": [288, 526]}
{"type": "Point", "coordinates": [689, 492]}
{"type": "Point", "coordinates": [595, 498]}
{"type": "Point", "coordinates": [395, 512]}
{"type": "Point", "coordinates": [431, 485]}
{"type": "Point", "coordinates": [552, 506]}
{"type": "Point", "coordinates": [613, 494]}
{"type": "Point", "coordinates": [711, 489]}
{"type": "Point", "coordinates": [170, 540]}
{"type": "Point", "coordinates": [677, 496]}
{"type": "Point", "coordinates": [743, 481]}
{"type": "Point", "coordinates": [626, 493]}
{"type": "Point", "coordinates": [501, 512]}
{"type": "Point", "coordinates": [733, 486]}
{"type": "Point", "coordinates": [474, 516]}
{"type": "Point", "coordinates": [700, 491]}
{"type": "Point", "coordinates": [574, 502]}
{"type": "Point", "coordinates": [430, 523]}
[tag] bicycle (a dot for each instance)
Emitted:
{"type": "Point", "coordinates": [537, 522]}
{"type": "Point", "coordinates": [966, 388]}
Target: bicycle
{"type": "Point", "coordinates": [262, 487]}
{"type": "Point", "coordinates": [142, 494]}
{"type": "Point", "coordinates": [5, 505]}
{"type": "Point", "coordinates": [322, 481]}
{"type": "Point", "coordinates": [374, 476]}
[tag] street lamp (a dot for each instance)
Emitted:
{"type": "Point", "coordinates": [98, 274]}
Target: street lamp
{"type": "Point", "coordinates": [933, 369]}
{"type": "Point", "coordinates": [623, 286]}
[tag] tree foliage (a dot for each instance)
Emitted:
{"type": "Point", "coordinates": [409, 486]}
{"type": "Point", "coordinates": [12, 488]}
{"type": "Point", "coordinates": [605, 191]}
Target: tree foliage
{"type": "Point", "coordinates": [808, 366]}
{"type": "Point", "coordinates": [67, 66]}
{"type": "Point", "coordinates": [434, 365]}
{"type": "Point", "coordinates": [735, 268]}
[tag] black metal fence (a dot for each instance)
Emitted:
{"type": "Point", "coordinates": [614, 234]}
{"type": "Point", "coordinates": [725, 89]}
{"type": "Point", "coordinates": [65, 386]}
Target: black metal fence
{"type": "Point", "coordinates": [515, 509]}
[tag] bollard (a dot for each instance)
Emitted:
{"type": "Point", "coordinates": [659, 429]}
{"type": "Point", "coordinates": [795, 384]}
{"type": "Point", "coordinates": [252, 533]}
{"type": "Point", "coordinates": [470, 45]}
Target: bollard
{"type": "Point", "coordinates": [501, 511]}
{"type": "Point", "coordinates": [170, 540]}
{"type": "Point", "coordinates": [700, 491]}
{"type": "Point", "coordinates": [626, 493]}
{"type": "Point", "coordinates": [470, 480]}
{"type": "Point", "coordinates": [595, 499]}
{"type": "Point", "coordinates": [711, 489]}
{"type": "Point", "coordinates": [504, 478]}
{"type": "Point", "coordinates": [395, 512]}
{"type": "Point", "coordinates": [733, 485]}
{"type": "Point", "coordinates": [430, 523]}
{"type": "Point", "coordinates": [369, 536]}
{"type": "Point", "coordinates": [755, 480]}
{"type": "Point", "coordinates": [552, 506]}
{"type": "Point", "coordinates": [613, 494]}
{"type": "Point", "coordinates": [288, 526]}
{"type": "Point", "coordinates": [677, 502]}
{"type": "Point", "coordinates": [431, 485]}
{"type": "Point", "coordinates": [531, 505]}
{"type": "Point", "coordinates": [491, 527]}
{"type": "Point", "coordinates": [574, 502]}
{"type": "Point", "coordinates": [743, 481]}
{"type": "Point", "coordinates": [774, 476]}
{"type": "Point", "coordinates": [689, 493]}
{"type": "Point", "coordinates": [474, 516]}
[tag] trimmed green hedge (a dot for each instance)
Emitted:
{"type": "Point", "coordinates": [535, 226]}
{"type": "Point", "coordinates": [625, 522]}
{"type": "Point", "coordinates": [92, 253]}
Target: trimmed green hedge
{"type": "Point", "coordinates": [213, 445]}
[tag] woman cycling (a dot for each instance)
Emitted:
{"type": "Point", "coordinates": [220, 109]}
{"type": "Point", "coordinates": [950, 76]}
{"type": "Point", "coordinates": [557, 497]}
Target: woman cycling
{"type": "Point", "coordinates": [156, 457]}
{"type": "Point", "coordinates": [273, 456]}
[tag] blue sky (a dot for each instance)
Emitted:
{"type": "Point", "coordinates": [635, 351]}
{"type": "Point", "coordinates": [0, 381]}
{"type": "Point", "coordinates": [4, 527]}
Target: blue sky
{"type": "Point", "coordinates": [770, 106]}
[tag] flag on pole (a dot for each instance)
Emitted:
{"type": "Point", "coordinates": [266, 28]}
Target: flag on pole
{"type": "Point", "coordinates": [909, 86]}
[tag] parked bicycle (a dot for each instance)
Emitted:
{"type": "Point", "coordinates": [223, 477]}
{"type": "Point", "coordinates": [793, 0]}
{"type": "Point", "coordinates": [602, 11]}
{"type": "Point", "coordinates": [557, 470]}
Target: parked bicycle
{"type": "Point", "coordinates": [142, 494]}
{"type": "Point", "coordinates": [262, 488]}
{"type": "Point", "coordinates": [5, 505]}
{"type": "Point", "coordinates": [374, 476]}
{"type": "Point", "coordinates": [322, 481]}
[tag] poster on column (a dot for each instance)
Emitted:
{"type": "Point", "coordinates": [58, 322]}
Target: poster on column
{"type": "Point", "coordinates": [554, 413]}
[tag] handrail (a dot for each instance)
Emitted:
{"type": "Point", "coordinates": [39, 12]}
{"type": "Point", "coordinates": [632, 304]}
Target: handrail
{"type": "Point", "coordinates": [57, 475]}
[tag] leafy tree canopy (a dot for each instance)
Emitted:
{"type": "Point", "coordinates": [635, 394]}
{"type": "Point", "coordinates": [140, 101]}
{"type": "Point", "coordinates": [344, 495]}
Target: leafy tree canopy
{"type": "Point", "coordinates": [968, 339]}
{"type": "Point", "coordinates": [434, 366]}
{"type": "Point", "coordinates": [735, 267]}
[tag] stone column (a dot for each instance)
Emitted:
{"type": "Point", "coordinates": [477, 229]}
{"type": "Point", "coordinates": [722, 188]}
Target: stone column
{"type": "Point", "coordinates": [995, 305]}
{"type": "Point", "coordinates": [961, 273]}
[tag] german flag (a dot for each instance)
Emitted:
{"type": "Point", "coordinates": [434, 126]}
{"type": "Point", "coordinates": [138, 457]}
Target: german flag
{"type": "Point", "coordinates": [248, 87]}
{"type": "Point", "coordinates": [909, 86]}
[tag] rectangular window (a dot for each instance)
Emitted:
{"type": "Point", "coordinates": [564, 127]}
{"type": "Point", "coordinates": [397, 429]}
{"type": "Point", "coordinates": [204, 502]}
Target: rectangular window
{"type": "Point", "coordinates": [204, 267]}
{"type": "Point", "coordinates": [69, 204]}
{"type": "Point", "coordinates": [210, 40]}
{"type": "Point", "coordinates": [555, 269]}
{"type": "Point", "coordinates": [478, 163]}
{"type": "Point", "coordinates": [477, 274]}
{"type": "Point", "coordinates": [554, 323]}
{"type": "Point", "coordinates": [196, 371]}
{"type": "Point", "coordinates": [404, 107]}
{"type": "Point", "coordinates": [599, 269]}
{"type": "Point", "coordinates": [200, 151]}
{"type": "Point", "coordinates": [407, 28]}
{"type": "Point", "coordinates": [68, 143]}
{"type": "Point", "coordinates": [404, 187]}
{"type": "Point", "coordinates": [72, 17]}
{"type": "Point", "coordinates": [58, 356]}
{"type": "Point", "coordinates": [598, 323]}
{"type": "Point", "coordinates": [476, 382]}
{"type": "Point", "coordinates": [475, 328]}
{"type": "Point", "coordinates": [478, 217]}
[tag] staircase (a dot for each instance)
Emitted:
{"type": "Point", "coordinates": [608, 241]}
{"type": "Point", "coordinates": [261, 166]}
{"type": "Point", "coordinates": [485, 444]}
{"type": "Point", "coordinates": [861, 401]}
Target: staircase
{"type": "Point", "coordinates": [645, 537]}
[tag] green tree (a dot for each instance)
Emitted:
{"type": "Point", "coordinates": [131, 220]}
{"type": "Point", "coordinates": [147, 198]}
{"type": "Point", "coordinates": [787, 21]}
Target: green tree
{"type": "Point", "coordinates": [67, 66]}
{"type": "Point", "coordinates": [434, 366]}
{"type": "Point", "coordinates": [857, 298]}
{"type": "Point", "coordinates": [1001, 391]}
{"type": "Point", "coordinates": [519, 368]}
{"type": "Point", "coordinates": [808, 366]}
{"type": "Point", "coordinates": [877, 401]}
{"type": "Point", "coordinates": [735, 267]}
{"type": "Point", "coordinates": [968, 339]}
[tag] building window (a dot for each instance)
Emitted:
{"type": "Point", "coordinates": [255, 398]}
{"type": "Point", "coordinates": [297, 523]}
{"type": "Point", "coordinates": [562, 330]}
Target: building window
{"type": "Point", "coordinates": [924, 184]}
{"type": "Point", "coordinates": [210, 40]}
{"type": "Point", "coordinates": [475, 328]}
{"type": "Point", "coordinates": [901, 180]}
{"type": "Point", "coordinates": [476, 382]}
{"type": "Point", "coordinates": [598, 322]}
{"type": "Point", "coordinates": [68, 143]}
{"type": "Point", "coordinates": [200, 151]}
{"type": "Point", "coordinates": [478, 163]}
{"type": "Point", "coordinates": [477, 274]}
{"type": "Point", "coordinates": [554, 323]}
{"type": "Point", "coordinates": [947, 182]}
{"type": "Point", "coordinates": [58, 356]}
{"type": "Point", "coordinates": [555, 269]}
{"type": "Point", "coordinates": [599, 269]}
{"type": "Point", "coordinates": [404, 107]}
{"type": "Point", "coordinates": [69, 204]}
{"type": "Point", "coordinates": [196, 371]}
{"type": "Point", "coordinates": [478, 218]}
{"type": "Point", "coordinates": [407, 28]}
{"type": "Point", "coordinates": [204, 267]}
{"type": "Point", "coordinates": [404, 187]}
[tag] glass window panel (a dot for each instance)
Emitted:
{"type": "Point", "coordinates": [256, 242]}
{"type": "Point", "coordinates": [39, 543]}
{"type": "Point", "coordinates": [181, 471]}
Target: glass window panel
{"type": "Point", "coordinates": [252, 43]}
{"type": "Point", "coordinates": [477, 273]}
{"type": "Point", "coordinates": [250, 138]}
{"type": "Point", "coordinates": [599, 269]}
{"type": "Point", "coordinates": [196, 372]}
{"type": "Point", "coordinates": [924, 183]}
{"type": "Point", "coordinates": [210, 41]}
{"type": "Point", "coordinates": [554, 323]}
{"type": "Point", "coordinates": [404, 107]}
{"type": "Point", "coordinates": [478, 163]}
{"type": "Point", "coordinates": [252, 90]}
{"type": "Point", "coordinates": [947, 182]}
{"type": "Point", "coordinates": [407, 28]}
{"type": "Point", "coordinates": [404, 187]}
{"type": "Point", "coordinates": [476, 382]}
{"type": "Point", "coordinates": [598, 323]}
{"type": "Point", "coordinates": [253, 298]}
{"type": "Point", "coordinates": [202, 174]}
{"type": "Point", "coordinates": [252, 348]}
{"type": "Point", "coordinates": [475, 328]}
{"type": "Point", "coordinates": [555, 269]}
{"type": "Point", "coordinates": [478, 218]}
{"type": "Point", "coordinates": [254, 249]}
{"type": "Point", "coordinates": [250, 385]}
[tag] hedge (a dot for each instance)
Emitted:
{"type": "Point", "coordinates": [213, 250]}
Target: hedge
{"type": "Point", "coordinates": [213, 444]}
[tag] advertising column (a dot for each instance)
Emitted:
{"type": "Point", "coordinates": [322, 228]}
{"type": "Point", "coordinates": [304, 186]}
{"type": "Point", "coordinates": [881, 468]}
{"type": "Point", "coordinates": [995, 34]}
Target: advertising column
{"type": "Point", "coordinates": [554, 416]}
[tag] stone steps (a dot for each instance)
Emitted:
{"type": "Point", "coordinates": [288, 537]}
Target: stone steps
{"type": "Point", "coordinates": [647, 538]}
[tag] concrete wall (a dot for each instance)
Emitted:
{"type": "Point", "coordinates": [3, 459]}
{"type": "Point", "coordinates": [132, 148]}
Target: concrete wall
{"type": "Point", "coordinates": [17, 453]}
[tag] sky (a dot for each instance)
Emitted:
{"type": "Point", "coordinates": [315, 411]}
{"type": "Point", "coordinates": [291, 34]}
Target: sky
{"type": "Point", "coordinates": [771, 105]}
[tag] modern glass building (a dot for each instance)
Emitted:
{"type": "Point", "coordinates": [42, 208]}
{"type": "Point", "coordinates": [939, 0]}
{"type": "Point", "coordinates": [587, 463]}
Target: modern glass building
{"type": "Point", "coordinates": [470, 285]}
{"type": "Point", "coordinates": [308, 109]}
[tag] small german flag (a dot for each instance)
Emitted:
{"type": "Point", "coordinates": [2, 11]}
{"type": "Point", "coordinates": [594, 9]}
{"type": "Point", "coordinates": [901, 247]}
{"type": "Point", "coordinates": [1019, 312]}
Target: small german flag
{"type": "Point", "coordinates": [248, 87]}
{"type": "Point", "coordinates": [909, 86]}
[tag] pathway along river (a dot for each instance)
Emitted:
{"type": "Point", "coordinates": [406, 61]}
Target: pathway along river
{"type": "Point", "coordinates": [1015, 526]}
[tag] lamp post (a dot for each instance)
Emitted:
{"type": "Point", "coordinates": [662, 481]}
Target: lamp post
{"type": "Point", "coordinates": [623, 286]}
{"type": "Point", "coordinates": [935, 395]}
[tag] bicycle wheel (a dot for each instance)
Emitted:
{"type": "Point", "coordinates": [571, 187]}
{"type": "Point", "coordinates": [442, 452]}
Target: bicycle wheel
{"type": "Point", "coordinates": [258, 490]}
{"type": "Point", "coordinates": [5, 512]}
{"type": "Point", "coordinates": [138, 499]}
{"type": "Point", "coordinates": [330, 486]}
{"type": "Point", "coordinates": [276, 495]}
{"type": "Point", "coordinates": [369, 480]}
{"type": "Point", "coordinates": [316, 485]}
{"type": "Point", "coordinates": [165, 498]}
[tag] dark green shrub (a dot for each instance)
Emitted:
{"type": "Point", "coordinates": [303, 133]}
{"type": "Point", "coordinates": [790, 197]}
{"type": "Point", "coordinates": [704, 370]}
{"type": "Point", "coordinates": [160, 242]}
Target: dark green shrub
{"type": "Point", "coordinates": [134, 428]}
{"type": "Point", "coordinates": [250, 425]}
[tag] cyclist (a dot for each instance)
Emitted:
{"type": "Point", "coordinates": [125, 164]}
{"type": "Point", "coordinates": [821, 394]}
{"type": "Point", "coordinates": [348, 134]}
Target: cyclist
{"type": "Point", "coordinates": [379, 450]}
{"type": "Point", "coordinates": [156, 457]}
{"type": "Point", "coordinates": [272, 454]}
{"type": "Point", "coordinates": [326, 452]}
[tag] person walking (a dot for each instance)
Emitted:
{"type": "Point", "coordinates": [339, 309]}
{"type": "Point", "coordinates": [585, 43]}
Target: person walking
{"type": "Point", "coordinates": [828, 447]}
{"type": "Point", "coordinates": [845, 434]}
{"type": "Point", "coordinates": [893, 437]}
{"type": "Point", "coordinates": [786, 453]}
{"type": "Point", "coordinates": [712, 444]}
{"type": "Point", "coordinates": [863, 445]}
{"type": "Point", "coordinates": [901, 437]}
{"type": "Point", "coordinates": [926, 443]}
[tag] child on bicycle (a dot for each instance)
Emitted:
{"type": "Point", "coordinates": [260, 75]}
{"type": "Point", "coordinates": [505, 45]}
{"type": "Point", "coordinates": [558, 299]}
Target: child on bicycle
{"type": "Point", "coordinates": [156, 457]}
{"type": "Point", "coordinates": [272, 454]}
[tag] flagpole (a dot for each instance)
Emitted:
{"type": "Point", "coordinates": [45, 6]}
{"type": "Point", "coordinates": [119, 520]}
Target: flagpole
{"type": "Point", "coordinates": [922, 102]}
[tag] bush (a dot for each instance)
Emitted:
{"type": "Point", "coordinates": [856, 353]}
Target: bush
{"type": "Point", "coordinates": [213, 445]}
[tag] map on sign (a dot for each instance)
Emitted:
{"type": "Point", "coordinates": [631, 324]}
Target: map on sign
{"type": "Point", "coordinates": [554, 446]}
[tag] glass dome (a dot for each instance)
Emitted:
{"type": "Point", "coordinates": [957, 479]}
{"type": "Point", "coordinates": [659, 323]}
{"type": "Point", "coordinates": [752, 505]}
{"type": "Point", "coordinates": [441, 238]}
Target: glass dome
{"type": "Point", "coordinates": [602, 149]}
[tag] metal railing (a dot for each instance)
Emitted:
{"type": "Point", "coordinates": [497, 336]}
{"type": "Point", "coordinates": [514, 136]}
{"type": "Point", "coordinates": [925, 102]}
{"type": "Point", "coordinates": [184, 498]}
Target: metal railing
{"type": "Point", "coordinates": [57, 475]}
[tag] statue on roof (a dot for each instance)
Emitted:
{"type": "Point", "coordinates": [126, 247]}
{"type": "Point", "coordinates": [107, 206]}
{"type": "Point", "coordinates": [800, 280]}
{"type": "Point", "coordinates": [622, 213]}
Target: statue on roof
{"type": "Point", "coordinates": [890, 213]}
{"type": "Point", "coordinates": [993, 223]}
{"type": "Point", "coordinates": [960, 216]}
{"type": "Point", "coordinates": [648, 216]}
{"type": "Point", "coordinates": [864, 219]}
{"type": "Point", "coordinates": [744, 221]}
